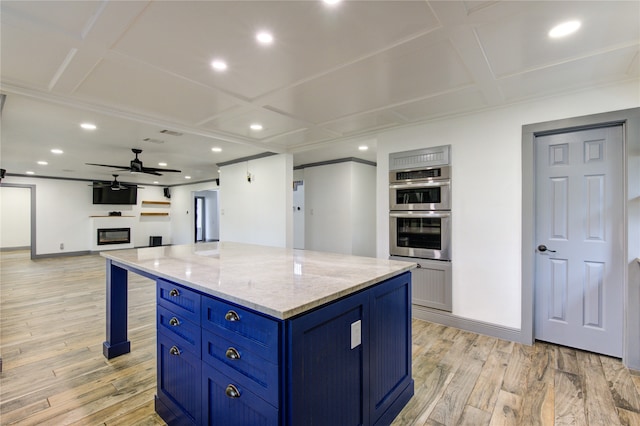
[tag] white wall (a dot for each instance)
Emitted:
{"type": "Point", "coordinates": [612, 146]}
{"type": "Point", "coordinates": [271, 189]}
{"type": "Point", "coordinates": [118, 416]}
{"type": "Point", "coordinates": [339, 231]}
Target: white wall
{"type": "Point", "coordinates": [340, 208]}
{"type": "Point", "coordinates": [363, 205]}
{"type": "Point", "coordinates": [64, 207]}
{"type": "Point", "coordinates": [486, 193]}
{"type": "Point", "coordinates": [260, 211]}
{"type": "Point", "coordinates": [328, 208]}
{"type": "Point", "coordinates": [15, 217]}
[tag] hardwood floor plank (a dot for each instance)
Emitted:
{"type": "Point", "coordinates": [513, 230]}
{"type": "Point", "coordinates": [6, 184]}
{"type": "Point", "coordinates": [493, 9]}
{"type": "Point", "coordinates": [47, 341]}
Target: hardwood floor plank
{"type": "Point", "coordinates": [506, 412]}
{"type": "Point", "coordinates": [621, 386]}
{"type": "Point", "coordinates": [486, 389]}
{"type": "Point", "coordinates": [426, 396]}
{"type": "Point", "coordinates": [515, 375]}
{"type": "Point", "coordinates": [628, 418]}
{"type": "Point", "coordinates": [598, 400]}
{"type": "Point", "coordinates": [538, 395]}
{"type": "Point", "coordinates": [569, 399]}
{"type": "Point", "coordinates": [566, 360]}
{"type": "Point", "coordinates": [472, 416]}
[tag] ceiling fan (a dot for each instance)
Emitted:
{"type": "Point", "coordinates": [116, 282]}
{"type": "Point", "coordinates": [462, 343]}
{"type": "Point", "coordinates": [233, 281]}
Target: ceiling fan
{"type": "Point", "coordinates": [116, 185]}
{"type": "Point", "coordinates": [135, 166]}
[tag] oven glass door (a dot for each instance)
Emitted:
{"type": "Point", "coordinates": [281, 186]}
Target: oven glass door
{"type": "Point", "coordinates": [420, 196]}
{"type": "Point", "coordinates": [420, 234]}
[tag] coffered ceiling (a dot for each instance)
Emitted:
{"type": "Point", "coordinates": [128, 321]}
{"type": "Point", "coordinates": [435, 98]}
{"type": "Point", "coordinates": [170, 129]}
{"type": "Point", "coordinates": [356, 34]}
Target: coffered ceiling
{"type": "Point", "coordinates": [332, 77]}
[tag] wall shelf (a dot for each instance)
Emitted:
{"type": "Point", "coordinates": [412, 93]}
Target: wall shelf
{"type": "Point", "coordinates": [162, 203]}
{"type": "Point", "coordinates": [153, 214]}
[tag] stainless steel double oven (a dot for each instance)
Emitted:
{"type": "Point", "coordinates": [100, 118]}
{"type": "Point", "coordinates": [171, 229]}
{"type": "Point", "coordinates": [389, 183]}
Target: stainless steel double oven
{"type": "Point", "coordinates": [420, 212]}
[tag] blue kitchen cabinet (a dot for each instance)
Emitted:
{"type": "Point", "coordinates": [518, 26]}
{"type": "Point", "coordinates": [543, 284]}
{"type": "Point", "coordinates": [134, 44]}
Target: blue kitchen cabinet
{"type": "Point", "coordinates": [178, 401]}
{"type": "Point", "coordinates": [344, 363]}
{"type": "Point", "coordinates": [391, 384]}
{"type": "Point", "coordinates": [350, 361]}
{"type": "Point", "coordinates": [329, 365]}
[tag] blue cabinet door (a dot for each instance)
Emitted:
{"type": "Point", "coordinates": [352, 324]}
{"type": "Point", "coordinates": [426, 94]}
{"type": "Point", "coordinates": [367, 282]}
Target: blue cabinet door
{"type": "Point", "coordinates": [327, 374]}
{"type": "Point", "coordinates": [179, 372]}
{"type": "Point", "coordinates": [390, 344]}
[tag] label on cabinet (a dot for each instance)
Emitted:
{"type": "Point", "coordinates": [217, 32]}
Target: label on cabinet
{"type": "Point", "coordinates": [356, 334]}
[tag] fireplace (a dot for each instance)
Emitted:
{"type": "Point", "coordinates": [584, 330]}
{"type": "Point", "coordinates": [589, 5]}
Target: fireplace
{"type": "Point", "coordinates": [114, 236]}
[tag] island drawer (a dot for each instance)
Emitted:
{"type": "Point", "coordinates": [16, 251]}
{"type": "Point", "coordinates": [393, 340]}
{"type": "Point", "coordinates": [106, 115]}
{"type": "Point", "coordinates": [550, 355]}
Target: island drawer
{"type": "Point", "coordinates": [185, 332]}
{"type": "Point", "coordinates": [243, 327]}
{"type": "Point", "coordinates": [246, 367]}
{"type": "Point", "coordinates": [227, 402]}
{"type": "Point", "coordinates": [179, 299]}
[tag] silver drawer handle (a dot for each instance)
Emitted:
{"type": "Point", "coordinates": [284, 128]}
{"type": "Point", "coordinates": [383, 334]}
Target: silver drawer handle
{"type": "Point", "coordinates": [174, 350]}
{"type": "Point", "coordinates": [232, 316]}
{"type": "Point", "coordinates": [174, 292]}
{"type": "Point", "coordinates": [232, 391]}
{"type": "Point", "coordinates": [174, 322]}
{"type": "Point", "coordinates": [232, 353]}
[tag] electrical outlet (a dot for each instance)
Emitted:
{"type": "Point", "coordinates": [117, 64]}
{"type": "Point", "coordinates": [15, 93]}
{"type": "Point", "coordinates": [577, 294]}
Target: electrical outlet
{"type": "Point", "coordinates": [61, 246]}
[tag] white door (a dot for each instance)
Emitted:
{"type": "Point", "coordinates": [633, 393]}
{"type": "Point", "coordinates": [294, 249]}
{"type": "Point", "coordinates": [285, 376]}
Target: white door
{"type": "Point", "coordinates": [579, 239]}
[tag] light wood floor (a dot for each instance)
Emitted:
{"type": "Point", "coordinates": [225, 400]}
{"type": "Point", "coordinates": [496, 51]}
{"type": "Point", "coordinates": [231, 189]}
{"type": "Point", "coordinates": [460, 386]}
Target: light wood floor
{"type": "Point", "coordinates": [52, 314]}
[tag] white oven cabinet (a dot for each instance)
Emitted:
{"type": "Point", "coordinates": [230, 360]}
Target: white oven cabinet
{"type": "Point", "coordinates": [431, 283]}
{"type": "Point", "coordinates": [346, 362]}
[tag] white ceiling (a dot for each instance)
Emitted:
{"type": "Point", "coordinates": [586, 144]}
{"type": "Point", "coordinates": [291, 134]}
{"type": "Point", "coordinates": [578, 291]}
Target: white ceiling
{"type": "Point", "coordinates": [333, 77]}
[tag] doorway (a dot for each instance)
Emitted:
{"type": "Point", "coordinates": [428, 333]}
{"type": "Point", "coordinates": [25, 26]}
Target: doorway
{"type": "Point", "coordinates": [578, 231]}
{"type": "Point", "coordinates": [206, 217]}
{"type": "Point", "coordinates": [200, 210]}
{"type": "Point", "coordinates": [17, 214]}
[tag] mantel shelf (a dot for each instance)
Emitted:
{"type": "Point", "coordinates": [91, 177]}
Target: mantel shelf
{"type": "Point", "coordinates": [110, 216]}
{"type": "Point", "coordinates": [153, 214]}
{"type": "Point", "coordinates": [162, 203]}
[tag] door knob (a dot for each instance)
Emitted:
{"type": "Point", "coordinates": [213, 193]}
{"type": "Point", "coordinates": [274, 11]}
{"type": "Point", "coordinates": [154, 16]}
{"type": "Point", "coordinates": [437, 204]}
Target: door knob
{"type": "Point", "coordinates": [542, 248]}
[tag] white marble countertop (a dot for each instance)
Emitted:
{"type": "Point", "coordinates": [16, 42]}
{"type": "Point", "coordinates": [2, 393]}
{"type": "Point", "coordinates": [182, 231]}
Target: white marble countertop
{"type": "Point", "coordinates": [275, 281]}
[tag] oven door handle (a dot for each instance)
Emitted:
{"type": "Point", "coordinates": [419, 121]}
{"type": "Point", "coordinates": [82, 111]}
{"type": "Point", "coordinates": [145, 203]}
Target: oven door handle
{"type": "Point", "coordinates": [418, 214]}
{"type": "Point", "coordinates": [409, 185]}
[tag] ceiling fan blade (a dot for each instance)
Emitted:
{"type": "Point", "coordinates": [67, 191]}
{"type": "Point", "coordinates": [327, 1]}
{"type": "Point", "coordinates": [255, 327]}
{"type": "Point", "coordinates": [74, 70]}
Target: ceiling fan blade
{"type": "Point", "coordinates": [151, 172]}
{"type": "Point", "coordinates": [154, 169]}
{"type": "Point", "coordinates": [108, 165]}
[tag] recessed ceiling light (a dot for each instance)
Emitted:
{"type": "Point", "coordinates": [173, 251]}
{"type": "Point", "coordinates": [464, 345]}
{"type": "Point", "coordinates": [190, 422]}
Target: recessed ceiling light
{"type": "Point", "coordinates": [42, 163]}
{"type": "Point", "coordinates": [88, 126]}
{"type": "Point", "coordinates": [218, 65]}
{"type": "Point", "coordinates": [264, 37]}
{"type": "Point", "coordinates": [256, 126]}
{"type": "Point", "coordinates": [216, 149]}
{"type": "Point", "coordinates": [187, 177]}
{"type": "Point", "coordinates": [57, 151]}
{"type": "Point", "coordinates": [162, 164]}
{"type": "Point", "coordinates": [155, 182]}
{"type": "Point", "coordinates": [363, 147]}
{"type": "Point", "coordinates": [331, 2]}
{"type": "Point", "coordinates": [564, 29]}
{"type": "Point", "coordinates": [29, 172]}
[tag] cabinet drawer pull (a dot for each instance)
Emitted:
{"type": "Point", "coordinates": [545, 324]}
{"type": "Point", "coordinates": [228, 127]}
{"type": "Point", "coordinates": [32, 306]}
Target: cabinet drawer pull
{"type": "Point", "coordinates": [174, 350]}
{"type": "Point", "coordinates": [174, 322]}
{"type": "Point", "coordinates": [232, 391]}
{"type": "Point", "coordinates": [232, 353]}
{"type": "Point", "coordinates": [174, 292]}
{"type": "Point", "coordinates": [232, 316]}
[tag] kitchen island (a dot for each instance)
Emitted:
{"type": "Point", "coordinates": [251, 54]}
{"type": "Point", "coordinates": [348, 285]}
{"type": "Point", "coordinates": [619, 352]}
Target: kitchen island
{"type": "Point", "coordinates": [254, 335]}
